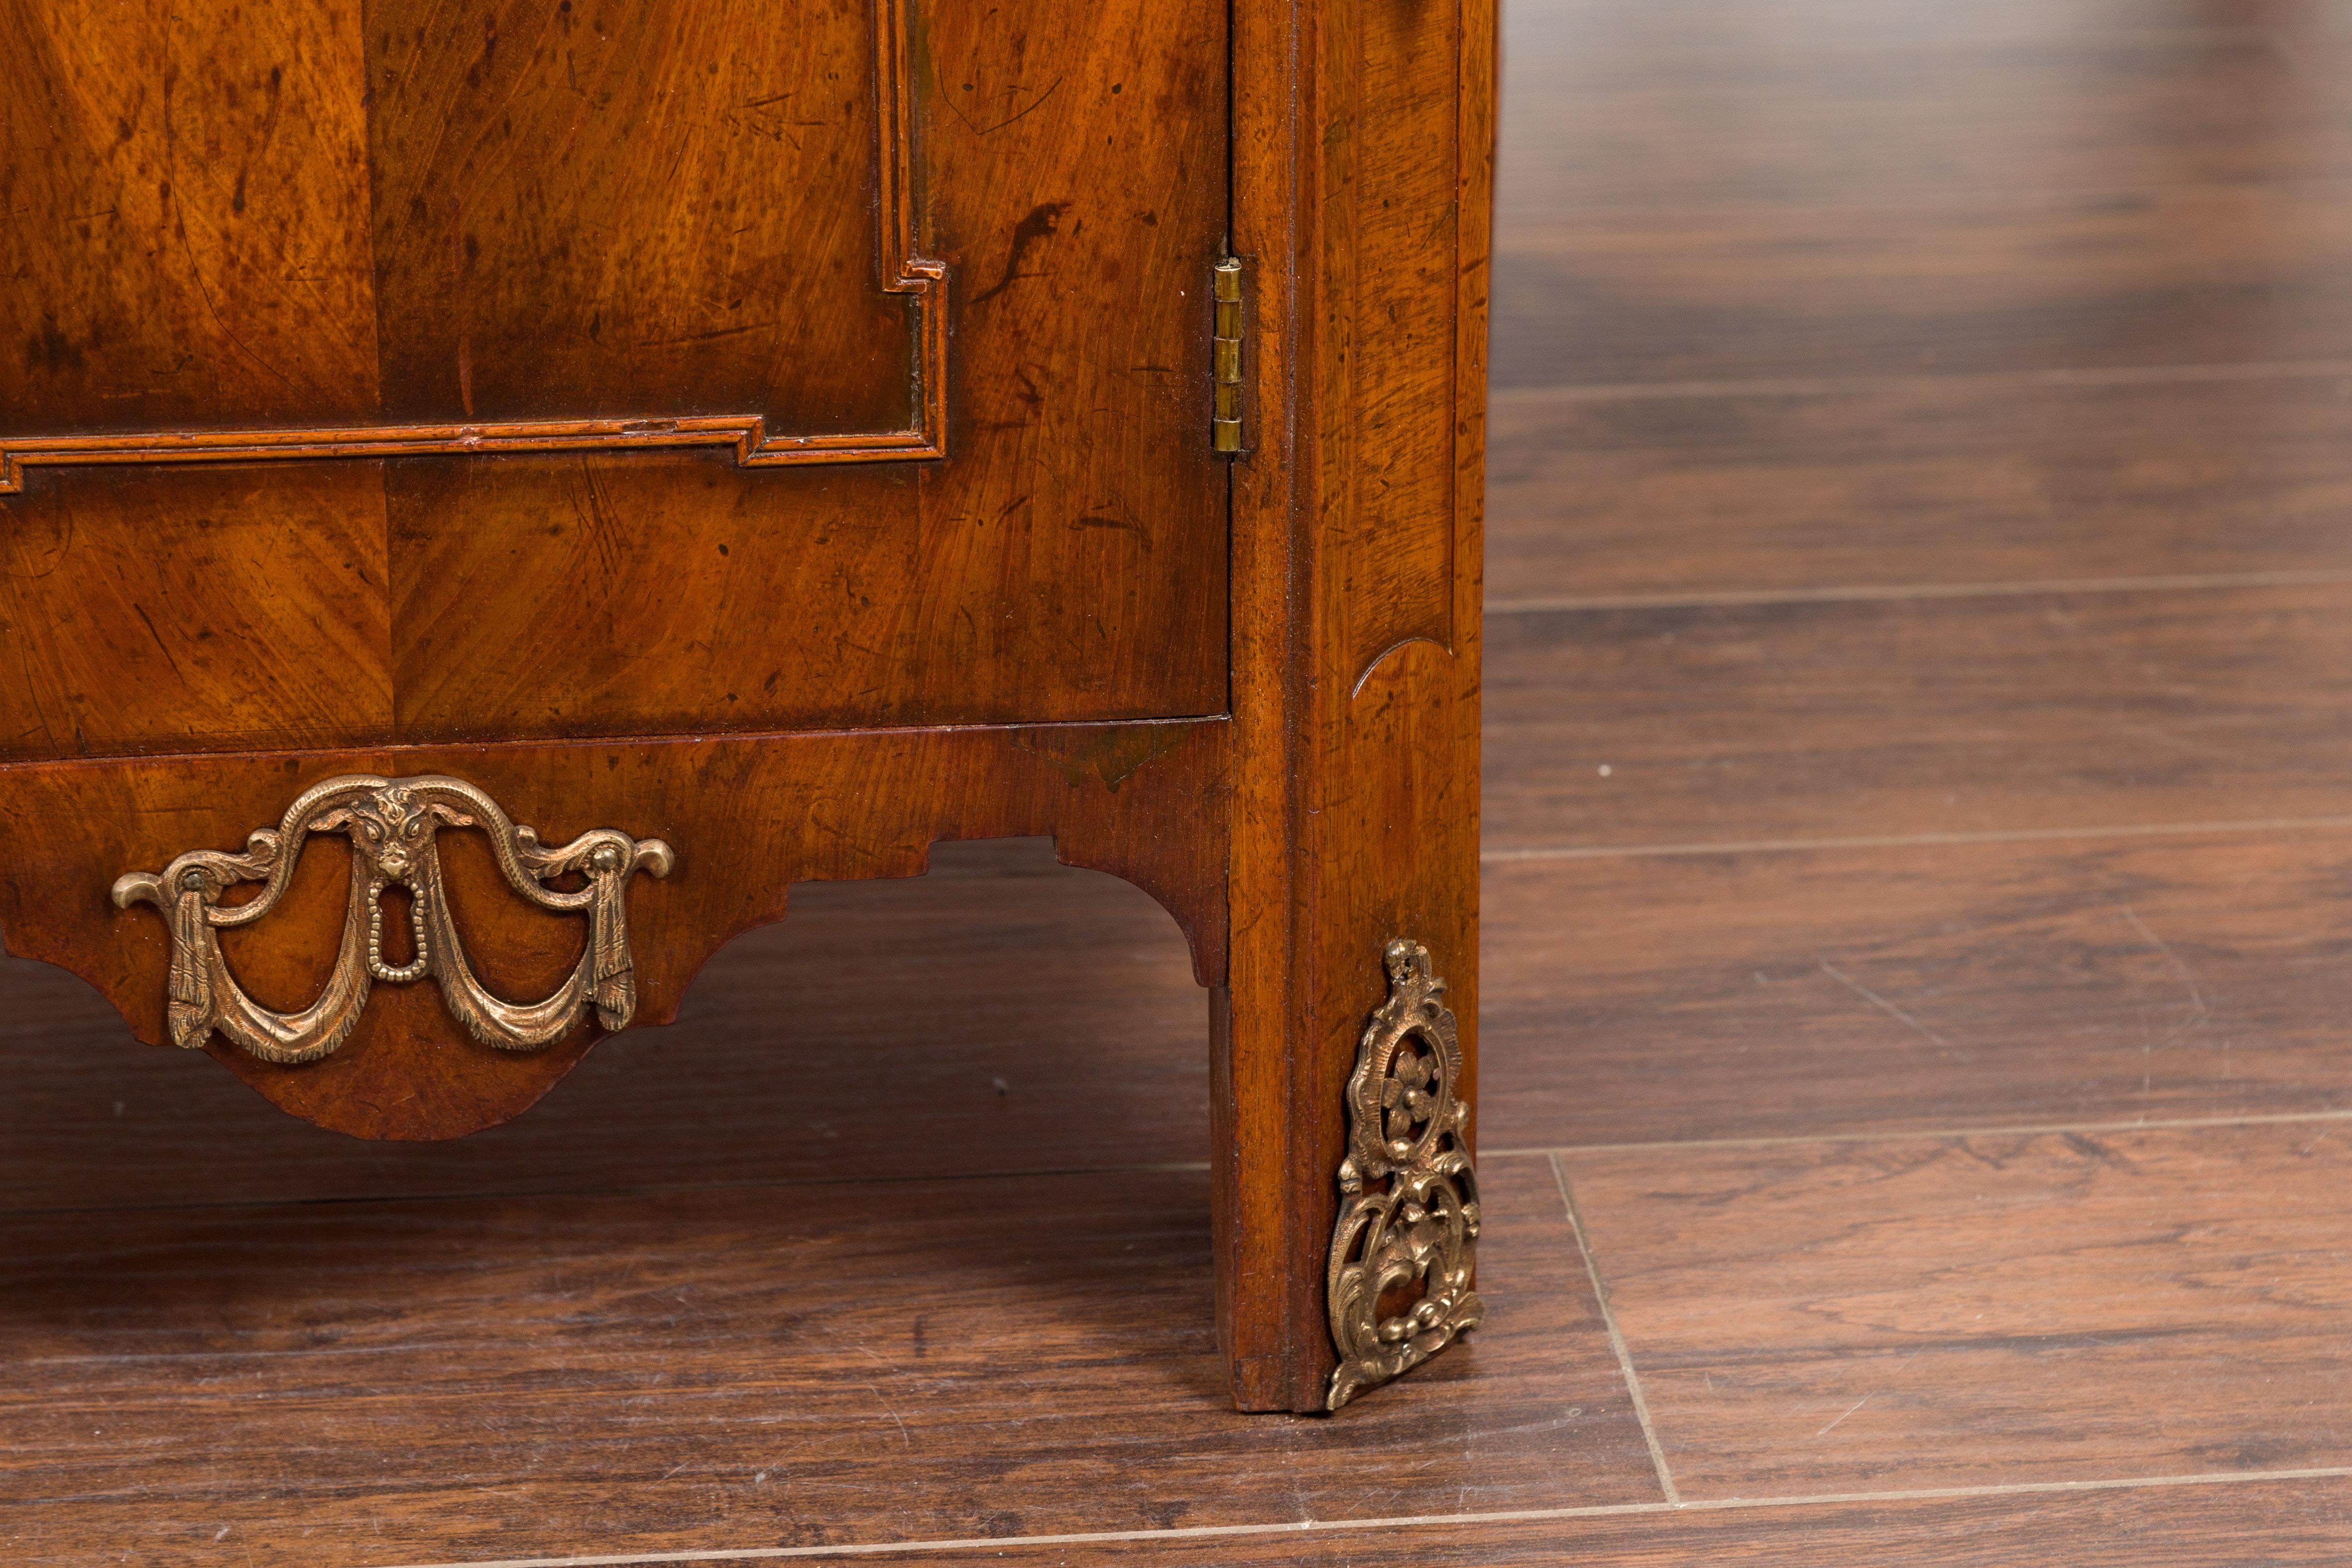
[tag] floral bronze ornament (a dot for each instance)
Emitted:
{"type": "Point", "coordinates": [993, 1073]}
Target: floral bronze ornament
{"type": "Point", "coordinates": [1411, 1243]}
{"type": "Point", "coordinates": [392, 824]}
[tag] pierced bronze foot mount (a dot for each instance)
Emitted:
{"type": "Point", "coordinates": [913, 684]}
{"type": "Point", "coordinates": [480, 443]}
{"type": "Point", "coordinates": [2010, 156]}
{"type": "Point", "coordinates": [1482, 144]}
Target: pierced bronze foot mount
{"type": "Point", "coordinates": [1419, 1228]}
{"type": "Point", "coordinates": [392, 824]}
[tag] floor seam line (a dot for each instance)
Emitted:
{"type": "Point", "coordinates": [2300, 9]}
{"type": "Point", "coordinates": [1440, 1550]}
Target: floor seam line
{"type": "Point", "coordinates": [1616, 1336]}
{"type": "Point", "coordinates": [1497, 1516]}
{"type": "Point", "coordinates": [1702, 389]}
{"type": "Point", "coordinates": [2004, 1130]}
{"type": "Point", "coordinates": [1891, 592]}
{"type": "Point", "coordinates": [1907, 841]}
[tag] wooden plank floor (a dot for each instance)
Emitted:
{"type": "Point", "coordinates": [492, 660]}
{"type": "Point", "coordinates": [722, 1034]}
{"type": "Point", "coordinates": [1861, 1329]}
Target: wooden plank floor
{"type": "Point", "coordinates": [1918, 1119]}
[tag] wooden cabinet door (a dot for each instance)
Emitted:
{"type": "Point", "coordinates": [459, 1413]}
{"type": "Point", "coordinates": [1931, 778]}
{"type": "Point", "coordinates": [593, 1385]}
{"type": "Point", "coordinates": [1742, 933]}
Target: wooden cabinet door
{"type": "Point", "coordinates": [420, 370]}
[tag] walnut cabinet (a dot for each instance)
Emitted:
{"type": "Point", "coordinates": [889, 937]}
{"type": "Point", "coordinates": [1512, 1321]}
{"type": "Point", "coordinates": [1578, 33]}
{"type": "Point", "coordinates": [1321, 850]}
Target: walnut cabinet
{"type": "Point", "coordinates": [494, 491]}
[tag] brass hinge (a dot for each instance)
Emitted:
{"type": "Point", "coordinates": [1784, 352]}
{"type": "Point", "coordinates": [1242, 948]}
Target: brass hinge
{"type": "Point", "coordinates": [1225, 358]}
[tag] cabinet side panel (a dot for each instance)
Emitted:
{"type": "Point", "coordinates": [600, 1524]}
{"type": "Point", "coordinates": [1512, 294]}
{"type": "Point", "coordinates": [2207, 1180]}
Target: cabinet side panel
{"type": "Point", "coordinates": [1392, 545]}
{"type": "Point", "coordinates": [1363, 178]}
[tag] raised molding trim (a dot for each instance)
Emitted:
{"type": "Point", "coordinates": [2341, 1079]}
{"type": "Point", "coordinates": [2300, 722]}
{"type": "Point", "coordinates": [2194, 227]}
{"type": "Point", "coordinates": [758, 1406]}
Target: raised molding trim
{"type": "Point", "coordinates": [922, 281]}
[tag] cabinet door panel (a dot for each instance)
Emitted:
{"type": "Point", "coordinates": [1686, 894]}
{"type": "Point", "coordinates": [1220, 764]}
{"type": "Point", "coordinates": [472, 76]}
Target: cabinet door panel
{"type": "Point", "coordinates": [631, 207]}
{"type": "Point", "coordinates": [187, 190]}
{"type": "Point", "coordinates": [703, 367]}
{"type": "Point", "coordinates": [167, 610]}
{"type": "Point", "coordinates": [1066, 561]}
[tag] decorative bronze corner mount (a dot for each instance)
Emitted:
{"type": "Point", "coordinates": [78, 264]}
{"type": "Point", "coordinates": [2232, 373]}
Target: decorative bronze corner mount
{"type": "Point", "coordinates": [1413, 1240]}
{"type": "Point", "coordinates": [392, 824]}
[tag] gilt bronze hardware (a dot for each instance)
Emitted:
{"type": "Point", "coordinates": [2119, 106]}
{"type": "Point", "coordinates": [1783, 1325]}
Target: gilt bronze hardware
{"type": "Point", "coordinates": [1225, 358]}
{"type": "Point", "coordinates": [1418, 1229]}
{"type": "Point", "coordinates": [392, 824]}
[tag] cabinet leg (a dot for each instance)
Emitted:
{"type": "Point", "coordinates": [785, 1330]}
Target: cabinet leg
{"type": "Point", "coordinates": [1354, 686]}
{"type": "Point", "coordinates": [1346, 1235]}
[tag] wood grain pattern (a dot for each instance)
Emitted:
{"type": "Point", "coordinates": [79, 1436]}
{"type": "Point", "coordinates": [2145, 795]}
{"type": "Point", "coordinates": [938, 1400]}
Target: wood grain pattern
{"type": "Point", "coordinates": [1396, 250]}
{"type": "Point", "coordinates": [721, 1366]}
{"type": "Point", "coordinates": [1927, 481]}
{"type": "Point", "coordinates": [525, 201]}
{"type": "Point", "coordinates": [528, 261]}
{"type": "Point", "coordinates": [1068, 562]}
{"type": "Point", "coordinates": [2052, 711]}
{"type": "Point", "coordinates": [634, 210]}
{"type": "Point", "coordinates": [746, 819]}
{"type": "Point", "coordinates": [1355, 758]}
{"type": "Point", "coordinates": [1824, 1318]}
{"type": "Point", "coordinates": [1922, 987]}
{"type": "Point", "coordinates": [167, 646]}
{"type": "Point", "coordinates": [187, 193]}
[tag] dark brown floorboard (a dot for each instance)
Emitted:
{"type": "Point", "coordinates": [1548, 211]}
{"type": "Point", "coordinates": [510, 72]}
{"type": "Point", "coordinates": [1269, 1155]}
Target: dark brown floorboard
{"type": "Point", "coordinates": [1639, 999]}
{"type": "Point", "coordinates": [1759, 113]}
{"type": "Point", "coordinates": [1543, 33]}
{"type": "Point", "coordinates": [1945, 481]}
{"type": "Point", "coordinates": [2210, 274]}
{"type": "Point", "coordinates": [1733, 723]}
{"type": "Point", "coordinates": [2274, 1524]}
{"type": "Point", "coordinates": [316, 1384]}
{"type": "Point", "coordinates": [1839, 1317]}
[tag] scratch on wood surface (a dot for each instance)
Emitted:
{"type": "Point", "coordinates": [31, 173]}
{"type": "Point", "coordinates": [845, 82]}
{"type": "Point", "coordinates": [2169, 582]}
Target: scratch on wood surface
{"type": "Point", "coordinates": [2199, 1010]}
{"type": "Point", "coordinates": [1848, 1410]}
{"type": "Point", "coordinates": [2178, 967]}
{"type": "Point", "coordinates": [890, 1410]}
{"type": "Point", "coordinates": [1881, 1003]}
{"type": "Point", "coordinates": [178, 674]}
